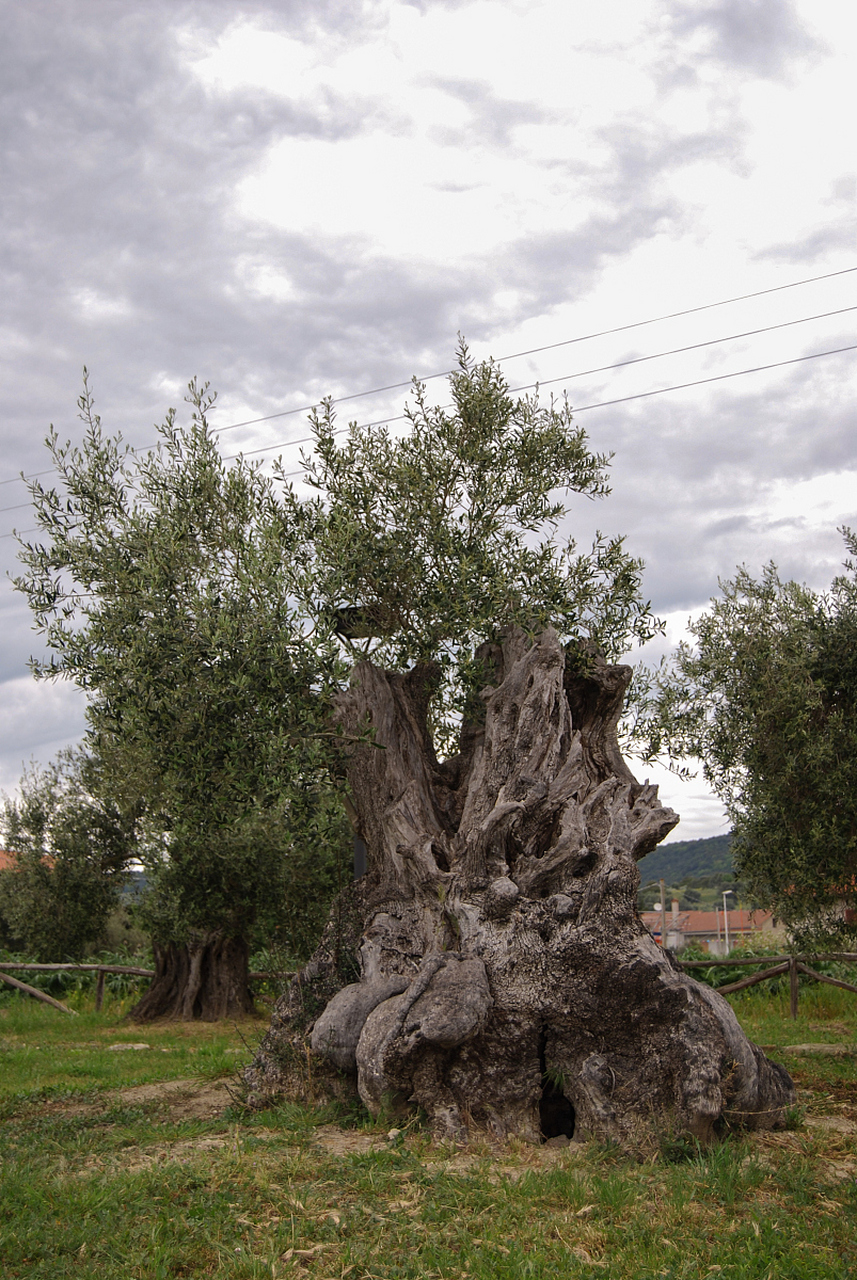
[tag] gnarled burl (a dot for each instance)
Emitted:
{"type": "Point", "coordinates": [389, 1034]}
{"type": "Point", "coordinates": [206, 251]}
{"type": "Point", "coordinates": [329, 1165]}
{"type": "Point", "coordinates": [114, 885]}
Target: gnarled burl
{"type": "Point", "coordinates": [504, 978]}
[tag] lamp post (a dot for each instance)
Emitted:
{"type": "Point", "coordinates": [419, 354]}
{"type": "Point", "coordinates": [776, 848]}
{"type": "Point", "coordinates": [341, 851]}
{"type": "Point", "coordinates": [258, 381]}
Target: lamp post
{"type": "Point", "coordinates": [726, 917]}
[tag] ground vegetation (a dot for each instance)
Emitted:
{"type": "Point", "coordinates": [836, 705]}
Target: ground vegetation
{"type": "Point", "coordinates": [132, 1162]}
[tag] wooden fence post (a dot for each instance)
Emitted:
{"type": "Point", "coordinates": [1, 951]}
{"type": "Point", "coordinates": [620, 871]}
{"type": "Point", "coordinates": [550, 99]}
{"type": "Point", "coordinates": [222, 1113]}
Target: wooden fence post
{"type": "Point", "coordinates": [793, 987]}
{"type": "Point", "coordinates": [99, 990]}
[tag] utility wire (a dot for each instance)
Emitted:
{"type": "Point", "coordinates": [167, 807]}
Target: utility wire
{"type": "Point", "coordinates": [604, 368]}
{"type": "Point", "coordinates": [553, 346]}
{"type": "Point", "coordinates": [584, 373]}
{"type": "Point", "coordinates": [396, 386]}
{"type": "Point", "coordinates": [601, 404]}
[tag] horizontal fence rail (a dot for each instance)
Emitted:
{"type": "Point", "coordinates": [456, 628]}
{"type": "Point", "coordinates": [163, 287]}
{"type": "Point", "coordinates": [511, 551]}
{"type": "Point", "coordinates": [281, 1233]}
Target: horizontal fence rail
{"type": "Point", "coordinates": [101, 969]}
{"type": "Point", "coordinates": [773, 967]}
{"type": "Point", "coordinates": [776, 965]}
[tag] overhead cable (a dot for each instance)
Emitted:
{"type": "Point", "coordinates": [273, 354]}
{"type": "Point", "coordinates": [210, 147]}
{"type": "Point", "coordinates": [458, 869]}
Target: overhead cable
{"type": "Point", "coordinates": [586, 337]}
{"type": "Point", "coordinates": [584, 408]}
{"type": "Point", "coordinates": [623, 328]}
{"type": "Point", "coordinates": [395, 386]}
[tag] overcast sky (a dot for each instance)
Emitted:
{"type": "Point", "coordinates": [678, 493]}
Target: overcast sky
{"type": "Point", "coordinates": [315, 197]}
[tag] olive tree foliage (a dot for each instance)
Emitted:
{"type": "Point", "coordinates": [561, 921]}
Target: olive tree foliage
{"type": "Point", "coordinates": [211, 614]}
{"type": "Point", "coordinates": [422, 544]}
{"type": "Point", "coordinates": [70, 850]}
{"type": "Point", "coordinates": [161, 586]}
{"type": "Point", "coordinates": [765, 698]}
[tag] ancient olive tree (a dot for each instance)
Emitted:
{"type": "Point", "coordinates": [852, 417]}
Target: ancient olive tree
{"type": "Point", "coordinates": [160, 583]}
{"type": "Point", "coordinates": [490, 967]}
{"type": "Point", "coordinates": [765, 698]}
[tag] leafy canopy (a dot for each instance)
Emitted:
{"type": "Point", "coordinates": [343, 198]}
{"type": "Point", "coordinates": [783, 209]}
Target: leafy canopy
{"type": "Point", "coordinates": [766, 699]}
{"type": "Point", "coordinates": [163, 590]}
{"type": "Point", "coordinates": [422, 545]}
{"type": "Point", "coordinates": [211, 614]}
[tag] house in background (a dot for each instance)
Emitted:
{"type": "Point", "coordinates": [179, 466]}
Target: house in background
{"type": "Point", "coordinates": [709, 929]}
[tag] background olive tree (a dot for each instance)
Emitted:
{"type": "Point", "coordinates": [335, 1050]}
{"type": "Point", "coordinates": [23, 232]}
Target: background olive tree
{"type": "Point", "coordinates": [161, 585]}
{"type": "Point", "coordinates": [71, 847]}
{"type": "Point", "coordinates": [765, 698]}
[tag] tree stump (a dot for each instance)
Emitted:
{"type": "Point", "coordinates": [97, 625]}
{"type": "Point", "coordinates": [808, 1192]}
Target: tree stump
{"type": "Point", "coordinates": [500, 974]}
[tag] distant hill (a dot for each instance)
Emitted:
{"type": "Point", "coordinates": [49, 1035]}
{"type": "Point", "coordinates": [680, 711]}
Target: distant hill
{"type": "Point", "coordinates": [685, 860]}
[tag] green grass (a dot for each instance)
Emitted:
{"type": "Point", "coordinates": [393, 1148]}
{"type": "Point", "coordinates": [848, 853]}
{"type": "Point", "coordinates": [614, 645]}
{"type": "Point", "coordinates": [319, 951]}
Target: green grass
{"type": "Point", "coordinates": [46, 1055]}
{"type": "Point", "coordinates": [94, 1183]}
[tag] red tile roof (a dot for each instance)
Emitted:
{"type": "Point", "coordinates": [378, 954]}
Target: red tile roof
{"type": "Point", "coordinates": [708, 923]}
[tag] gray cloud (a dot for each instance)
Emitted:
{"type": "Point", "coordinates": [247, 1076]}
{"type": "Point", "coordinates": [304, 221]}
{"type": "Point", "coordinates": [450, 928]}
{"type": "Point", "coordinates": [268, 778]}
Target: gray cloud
{"type": "Point", "coordinates": [492, 118]}
{"type": "Point", "coordinates": [37, 721]}
{"type": "Point", "coordinates": [839, 234]}
{"type": "Point", "coordinates": [119, 249]}
{"type": "Point", "coordinates": [761, 36]}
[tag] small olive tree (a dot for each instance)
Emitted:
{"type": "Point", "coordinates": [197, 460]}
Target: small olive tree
{"type": "Point", "coordinates": [71, 848]}
{"type": "Point", "coordinates": [162, 584]}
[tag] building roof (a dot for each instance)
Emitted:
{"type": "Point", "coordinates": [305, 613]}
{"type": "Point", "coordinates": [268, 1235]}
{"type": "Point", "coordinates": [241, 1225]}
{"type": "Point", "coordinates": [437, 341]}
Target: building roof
{"type": "Point", "coordinates": [708, 923]}
{"type": "Point", "coordinates": [7, 860]}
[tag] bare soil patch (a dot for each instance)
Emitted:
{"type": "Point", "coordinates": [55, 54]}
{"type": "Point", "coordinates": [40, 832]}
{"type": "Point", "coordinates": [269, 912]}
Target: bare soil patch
{"type": "Point", "coordinates": [175, 1099]}
{"type": "Point", "coordinates": [835, 1127]}
{"type": "Point", "coordinates": [180, 1099]}
{"type": "Point", "coordinates": [346, 1142]}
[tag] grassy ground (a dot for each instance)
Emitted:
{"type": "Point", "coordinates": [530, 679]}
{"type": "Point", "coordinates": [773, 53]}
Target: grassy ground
{"type": "Point", "coordinates": [133, 1163]}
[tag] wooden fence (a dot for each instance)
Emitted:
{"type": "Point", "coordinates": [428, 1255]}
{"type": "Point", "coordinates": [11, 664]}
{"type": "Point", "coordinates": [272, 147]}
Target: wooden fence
{"type": "Point", "coordinates": [101, 969]}
{"type": "Point", "coordinates": [775, 965]}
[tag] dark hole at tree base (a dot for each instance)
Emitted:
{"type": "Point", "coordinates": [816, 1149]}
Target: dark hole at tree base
{"type": "Point", "coordinates": [556, 1114]}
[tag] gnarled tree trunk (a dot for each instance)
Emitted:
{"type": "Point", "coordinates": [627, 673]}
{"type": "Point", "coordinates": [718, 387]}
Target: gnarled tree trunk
{"type": "Point", "coordinates": [505, 978]}
{"type": "Point", "coordinates": [205, 978]}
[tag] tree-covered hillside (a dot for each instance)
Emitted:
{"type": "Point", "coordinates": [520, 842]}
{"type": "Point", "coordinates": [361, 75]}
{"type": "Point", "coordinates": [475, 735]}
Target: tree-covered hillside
{"type": "Point", "coordinates": [685, 860]}
{"type": "Point", "coordinates": [695, 872]}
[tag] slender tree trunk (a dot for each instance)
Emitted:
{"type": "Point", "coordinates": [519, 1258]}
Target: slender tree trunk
{"type": "Point", "coordinates": [505, 978]}
{"type": "Point", "coordinates": [205, 978]}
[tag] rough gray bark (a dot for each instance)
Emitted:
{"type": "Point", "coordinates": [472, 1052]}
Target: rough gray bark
{"type": "Point", "coordinates": [505, 979]}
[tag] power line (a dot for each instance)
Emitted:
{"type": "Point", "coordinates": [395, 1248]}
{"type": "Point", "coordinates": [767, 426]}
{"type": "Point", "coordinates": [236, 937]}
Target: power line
{"type": "Point", "coordinates": [553, 346]}
{"type": "Point", "coordinates": [605, 368]}
{"type": "Point", "coordinates": [397, 386]}
{"type": "Point", "coordinates": [34, 475]}
{"type": "Point", "coordinates": [601, 404]}
{"type": "Point", "coordinates": [701, 382]}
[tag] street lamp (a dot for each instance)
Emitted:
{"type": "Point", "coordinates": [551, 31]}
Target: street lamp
{"type": "Point", "coordinates": [726, 917]}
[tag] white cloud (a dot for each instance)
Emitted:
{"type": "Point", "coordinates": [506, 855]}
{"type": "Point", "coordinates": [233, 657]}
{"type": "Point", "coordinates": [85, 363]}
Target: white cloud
{"type": "Point", "coordinates": [823, 501]}
{"type": "Point", "coordinates": [38, 719]}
